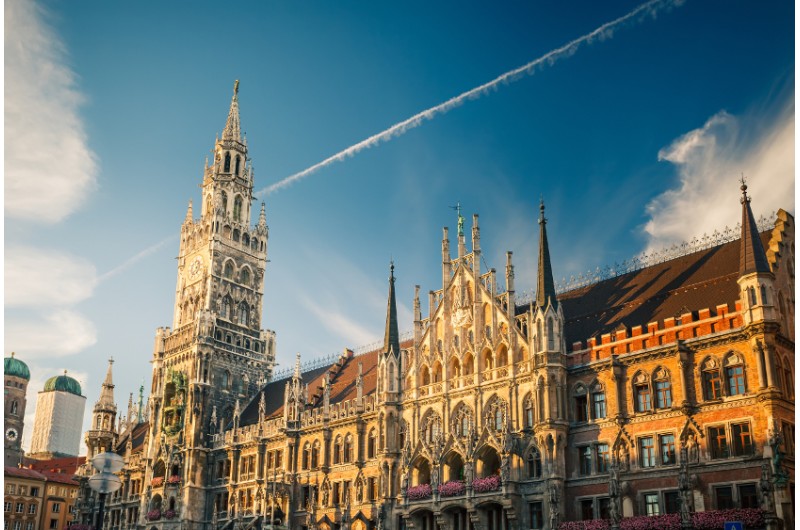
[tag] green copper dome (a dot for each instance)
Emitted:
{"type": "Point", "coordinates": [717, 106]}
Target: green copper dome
{"type": "Point", "coordinates": [63, 383]}
{"type": "Point", "coordinates": [15, 367]}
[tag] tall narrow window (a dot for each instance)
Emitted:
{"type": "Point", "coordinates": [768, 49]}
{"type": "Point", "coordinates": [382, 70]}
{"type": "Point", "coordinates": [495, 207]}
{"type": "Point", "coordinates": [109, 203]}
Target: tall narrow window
{"type": "Point", "coordinates": [712, 383]}
{"type": "Point", "coordinates": [236, 169]}
{"type": "Point", "coordinates": [585, 460]}
{"type": "Point", "coordinates": [237, 208]}
{"type": "Point", "coordinates": [647, 454]}
{"type": "Point", "coordinates": [764, 300]}
{"type": "Point", "coordinates": [734, 374]}
{"type": "Point", "coordinates": [534, 464]}
{"type": "Point", "coordinates": [227, 167]}
{"type": "Point", "coordinates": [663, 394]}
{"type": "Point", "coordinates": [642, 391]}
{"type": "Point", "coordinates": [718, 442]}
{"type": "Point", "coordinates": [371, 444]}
{"type": "Point", "coordinates": [667, 445]}
{"type": "Point", "coordinates": [742, 441]}
{"type": "Point", "coordinates": [598, 405]}
{"type": "Point", "coordinates": [603, 458]}
{"type": "Point", "coordinates": [551, 335]}
{"type": "Point", "coordinates": [581, 405]}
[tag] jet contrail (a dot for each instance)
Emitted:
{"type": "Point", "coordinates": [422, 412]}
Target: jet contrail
{"type": "Point", "coordinates": [133, 259]}
{"type": "Point", "coordinates": [605, 31]}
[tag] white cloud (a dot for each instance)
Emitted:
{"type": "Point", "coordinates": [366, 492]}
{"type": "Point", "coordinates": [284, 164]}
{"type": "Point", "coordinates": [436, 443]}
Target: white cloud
{"type": "Point", "coordinates": [710, 160]}
{"type": "Point", "coordinates": [37, 278]}
{"type": "Point", "coordinates": [49, 168]}
{"type": "Point", "coordinates": [55, 333]}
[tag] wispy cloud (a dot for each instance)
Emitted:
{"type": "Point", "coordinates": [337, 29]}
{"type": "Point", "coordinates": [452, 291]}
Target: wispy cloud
{"type": "Point", "coordinates": [46, 278]}
{"type": "Point", "coordinates": [606, 31]}
{"type": "Point", "coordinates": [710, 160]}
{"type": "Point", "coordinates": [49, 168]}
{"type": "Point", "coordinates": [128, 263]}
{"type": "Point", "coordinates": [51, 334]}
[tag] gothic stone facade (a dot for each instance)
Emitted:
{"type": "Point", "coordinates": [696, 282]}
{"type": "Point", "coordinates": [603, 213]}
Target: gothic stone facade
{"type": "Point", "coordinates": [668, 387]}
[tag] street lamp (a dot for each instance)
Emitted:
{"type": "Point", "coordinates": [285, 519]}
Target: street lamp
{"type": "Point", "coordinates": [105, 481]}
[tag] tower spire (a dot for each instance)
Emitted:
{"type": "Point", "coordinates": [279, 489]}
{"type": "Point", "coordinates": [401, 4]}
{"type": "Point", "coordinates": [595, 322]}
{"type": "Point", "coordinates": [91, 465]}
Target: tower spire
{"type": "Point", "coordinates": [391, 338]}
{"type": "Point", "coordinates": [752, 257]}
{"type": "Point", "coordinates": [232, 129]}
{"type": "Point", "coordinates": [107, 392]}
{"type": "Point", "coordinates": [545, 288]}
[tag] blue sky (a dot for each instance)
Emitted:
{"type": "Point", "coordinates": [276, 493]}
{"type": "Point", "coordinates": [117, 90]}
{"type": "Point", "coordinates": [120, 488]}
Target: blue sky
{"type": "Point", "coordinates": [635, 142]}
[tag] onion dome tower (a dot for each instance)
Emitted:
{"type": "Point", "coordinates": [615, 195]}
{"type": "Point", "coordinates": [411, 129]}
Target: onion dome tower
{"type": "Point", "coordinates": [17, 376]}
{"type": "Point", "coordinates": [59, 418]}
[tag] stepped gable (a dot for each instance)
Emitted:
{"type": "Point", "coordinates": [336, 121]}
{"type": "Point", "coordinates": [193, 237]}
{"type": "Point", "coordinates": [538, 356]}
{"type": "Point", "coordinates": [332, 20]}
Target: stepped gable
{"type": "Point", "coordinates": [701, 280]}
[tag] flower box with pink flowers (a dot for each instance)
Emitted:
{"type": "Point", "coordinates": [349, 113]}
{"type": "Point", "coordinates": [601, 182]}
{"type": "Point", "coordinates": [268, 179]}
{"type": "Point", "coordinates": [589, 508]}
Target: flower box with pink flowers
{"type": "Point", "coordinates": [157, 481]}
{"type": "Point", "coordinates": [153, 515]}
{"type": "Point", "coordinates": [416, 493]}
{"type": "Point", "coordinates": [174, 479]}
{"type": "Point", "coordinates": [490, 483]}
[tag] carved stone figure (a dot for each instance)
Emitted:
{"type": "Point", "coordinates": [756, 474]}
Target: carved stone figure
{"type": "Point", "coordinates": [765, 485]}
{"type": "Point", "coordinates": [505, 468]}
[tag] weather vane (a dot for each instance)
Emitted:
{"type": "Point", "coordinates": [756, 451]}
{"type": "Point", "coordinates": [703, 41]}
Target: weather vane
{"type": "Point", "coordinates": [457, 208]}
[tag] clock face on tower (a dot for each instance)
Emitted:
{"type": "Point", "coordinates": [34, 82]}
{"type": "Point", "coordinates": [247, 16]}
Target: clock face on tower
{"type": "Point", "coordinates": [196, 268]}
{"type": "Point", "coordinates": [11, 434]}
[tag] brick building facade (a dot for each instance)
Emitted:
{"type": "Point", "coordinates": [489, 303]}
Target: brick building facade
{"type": "Point", "coordinates": [667, 387]}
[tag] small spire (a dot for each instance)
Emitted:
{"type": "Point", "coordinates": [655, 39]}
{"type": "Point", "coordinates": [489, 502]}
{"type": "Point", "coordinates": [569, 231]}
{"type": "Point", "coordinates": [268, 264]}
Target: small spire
{"type": "Point", "coordinates": [189, 214]}
{"type": "Point", "coordinates": [752, 257]}
{"type": "Point", "coordinates": [391, 337]}
{"type": "Point", "coordinates": [139, 416]}
{"type": "Point", "coordinates": [545, 287]}
{"type": "Point", "coordinates": [107, 391]}
{"type": "Point", "coordinates": [262, 217]}
{"type": "Point", "coordinates": [417, 307]}
{"type": "Point", "coordinates": [232, 129]}
{"type": "Point", "coordinates": [297, 367]}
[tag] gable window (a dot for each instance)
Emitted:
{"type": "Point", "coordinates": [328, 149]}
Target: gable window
{"type": "Point", "coordinates": [663, 394]}
{"type": "Point", "coordinates": [734, 374]}
{"type": "Point", "coordinates": [712, 384]}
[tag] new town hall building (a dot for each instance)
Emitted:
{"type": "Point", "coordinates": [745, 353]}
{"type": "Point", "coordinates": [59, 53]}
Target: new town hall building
{"type": "Point", "coordinates": [668, 388]}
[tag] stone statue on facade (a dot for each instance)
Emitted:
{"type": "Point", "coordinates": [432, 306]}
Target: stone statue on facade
{"type": "Point", "coordinates": [505, 468]}
{"type": "Point", "coordinates": [765, 485]}
{"type": "Point", "coordinates": [554, 501]}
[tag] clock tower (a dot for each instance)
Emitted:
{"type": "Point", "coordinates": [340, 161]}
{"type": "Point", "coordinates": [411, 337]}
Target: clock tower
{"type": "Point", "coordinates": [17, 377]}
{"type": "Point", "coordinates": [215, 355]}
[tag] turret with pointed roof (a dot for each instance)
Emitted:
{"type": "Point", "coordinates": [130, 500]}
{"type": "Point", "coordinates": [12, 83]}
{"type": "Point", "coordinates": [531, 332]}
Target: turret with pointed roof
{"type": "Point", "coordinates": [102, 436]}
{"type": "Point", "coordinates": [755, 275]}
{"type": "Point", "coordinates": [545, 287]}
{"type": "Point", "coordinates": [391, 336]}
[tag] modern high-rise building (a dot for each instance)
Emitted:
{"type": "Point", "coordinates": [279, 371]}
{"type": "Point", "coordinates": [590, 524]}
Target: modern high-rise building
{"type": "Point", "coordinates": [58, 424]}
{"type": "Point", "coordinates": [17, 376]}
{"type": "Point", "coordinates": [665, 387]}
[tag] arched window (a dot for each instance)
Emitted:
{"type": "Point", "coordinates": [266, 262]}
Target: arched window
{"type": "Point", "coordinates": [391, 385]}
{"type": "Point", "coordinates": [788, 376]}
{"type": "Point", "coordinates": [224, 202]}
{"type": "Point", "coordinates": [226, 308]}
{"type": "Point", "coordinates": [598, 402]}
{"type": "Point", "coordinates": [244, 314]}
{"type": "Point", "coordinates": [244, 276]}
{"type": "Point", "coordinates": [372, 444]}
{"type": "Point", "coordinates": [734, 375]}
{"type": "Point", "coordinates": [431, 426]}
{"type": "Point", "coordinates": [534, 464]}
{"type": "Point", "coordinates": [551, 334]}
{"type": "Point", "coordinates": [237, 208]}
{"type": "Point", "coordinates": [227, 271]}
{"type": "Point", "coordinates": [227, 167]}
{"type": "Point", "coordinates": [236, 234]}
{"type": "Point", "coordinates": [315, 455]}
{"type": "Point", "coordinates": [527, 406]}
{"type": "Point", "coordinates": [712, 383]}
{"type": "Point", "coordinates": [764, 299]}
{"type": "Point", "coordinates": [496, 414]}
{"type": "Point", "coordinates": [226, 379]}
{"type": "Point", "coordinates": [581, 400]}
{"type": "Point", "coordinates": [751, 291]}
{"type": "Point", "coordinates": [663, 389]}
{"type": "Point", "coordinates": [641, 393]}
{"type": "Point", "coordinates": [14, 407]}
{"type": "Point", "coordinates": [461, 419]}
{"type": "Point", "coordinates": [306, 456]}
{"type": "Point", "coordinates": [426, 376]}
{"type": "Point", "coordinates": [437, 372]}
{"type": "Point", "coordinates": [348, 448]}
{"type": "Point", "coordinates": [539, 336]}
{"type": "Point", "coordinates": [337, 450]}
{"type": "Point", "coordinates": [236, 167]}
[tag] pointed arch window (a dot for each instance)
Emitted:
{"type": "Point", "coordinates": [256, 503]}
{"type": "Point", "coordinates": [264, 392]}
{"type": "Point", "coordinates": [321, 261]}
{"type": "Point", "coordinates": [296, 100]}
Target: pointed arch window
{"type": "Point", "coordinates": [751, 292]}
{"type": "Point", "coordinates": [236, 167]}
{"type": "Point", "coordinates": [528, 408]}
{"type": "Point", "coordinates": [534, 464]}
{"type": "Point", "coordinates": [372, 444]}
{"type": "Point", "coordinates": [581, 400]}
{"type": "Point", "coordinates": [244, 276]}
{"type": "Point", "coordinates": [14, 407]}
{"type": "Point", "coordinates": [306, 456]}
{"type": "Point", "coordinates": [227, 271]}
{"type": "Point", "coordinates": [734, 375]}
{"type": "Point", "coordinates": [315, 455]}
{"type": "Point", "coordinates": [237, 208]}
{"type": "Point", "coordinates": [391, 385]}
{"type": "Point", "coordinates": [641, 393]}
{"type": "Point", "coordinates": [551, 334]}
{"type": "Point", "coordinates": [337, 450]}
{"type": "Point", "coordinates": [226, 308]}
{"type": "Point", "coordinates": [227, 166]}
{"type": "Point", "coordinates": [788, 377]}
{"type": "Point", "coordinates": [539, 336]}
{"type": "Point", "coordinates": [224, 202]}
{"type": "Point", "coordinates": [598, 402]}
{"type": "Point", "coordinates": [348, 448]}
{"type": "Point", "coordinates": [244, 315]}
{"type": "Point", "coordinates": [663, 388]}
{"type": "Point", "coordinates": [712, 382]}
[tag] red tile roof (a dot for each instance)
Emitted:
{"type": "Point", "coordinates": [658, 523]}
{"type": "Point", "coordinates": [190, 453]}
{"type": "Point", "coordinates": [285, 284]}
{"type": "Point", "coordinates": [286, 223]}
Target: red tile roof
{"type": "Point", "coordinates": [66, 465]}
{"type": "Point", "coordinates": [21, 472]}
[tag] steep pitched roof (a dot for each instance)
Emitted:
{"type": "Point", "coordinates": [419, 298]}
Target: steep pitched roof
{"type": "Point", "coordinates": [21, 472]}
{"type": "Point", "coordinates": [545, 287]}
{"type": "Point", "coordinates": [752, 257]}
{"type": "Point", "coordinates": [696, 281]}
{"type": "Point", "coordinates": [63, 465]}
